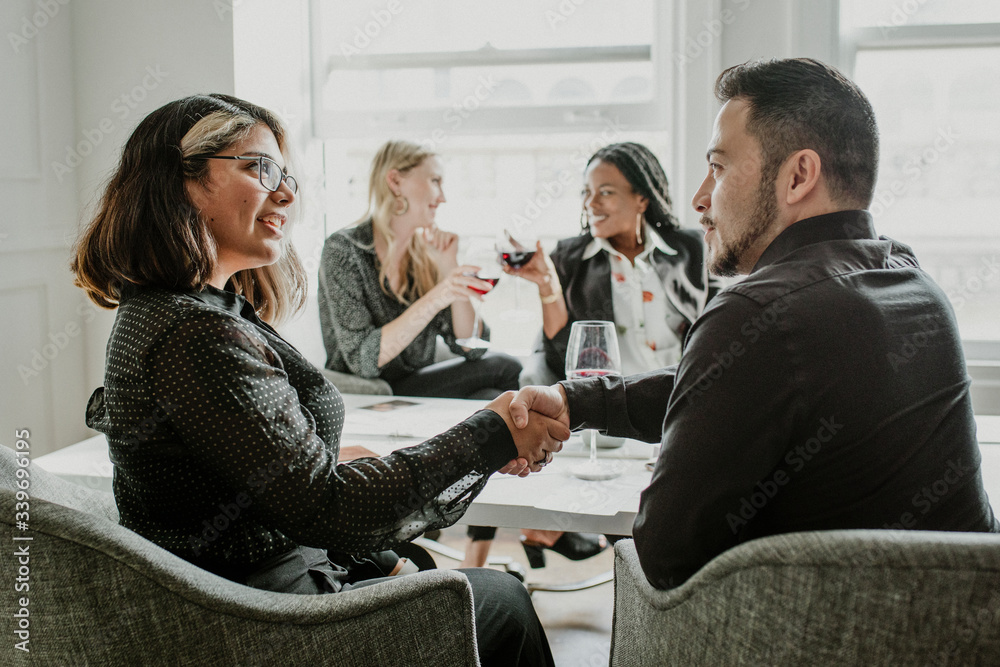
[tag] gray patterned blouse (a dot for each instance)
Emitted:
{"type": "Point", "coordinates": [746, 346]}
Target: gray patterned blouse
{"type": "Point", "coordinates": [225, 441]}
{"type": "Point", "coordinates": [353, 309]}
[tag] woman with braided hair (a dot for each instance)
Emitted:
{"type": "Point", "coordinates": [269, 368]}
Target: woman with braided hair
{"type": "Point", "coordinates": [632, 265]}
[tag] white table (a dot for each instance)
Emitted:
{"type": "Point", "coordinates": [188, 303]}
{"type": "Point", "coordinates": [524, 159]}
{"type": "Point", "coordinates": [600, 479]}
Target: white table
{"type": "Point", "coordinates": [551, 499]}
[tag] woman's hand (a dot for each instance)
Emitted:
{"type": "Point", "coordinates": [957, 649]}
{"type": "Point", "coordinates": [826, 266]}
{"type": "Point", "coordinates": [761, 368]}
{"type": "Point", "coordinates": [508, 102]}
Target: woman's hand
{"type": "Point", "coordinates": [536, 441]}
{"type": "Point", "coordinates": [461, 283]}
{"type": "Point", "coordinates": [538, 270]}
{"type": "Point", "coordinates": [442, 247]}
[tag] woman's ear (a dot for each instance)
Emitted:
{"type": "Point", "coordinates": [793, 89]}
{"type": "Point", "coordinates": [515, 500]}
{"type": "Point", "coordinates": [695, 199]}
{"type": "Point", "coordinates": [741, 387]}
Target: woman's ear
{"type": "Point", "coordinates": [196, 192]}
{"type": "Point", "coordinates": [392, 178]}
{"type": "Point", "coordinates": [643, 203]}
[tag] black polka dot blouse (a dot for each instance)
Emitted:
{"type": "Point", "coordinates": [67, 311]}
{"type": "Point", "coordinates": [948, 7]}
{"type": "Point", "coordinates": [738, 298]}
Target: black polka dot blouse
{"type": "Point", "coordinates": [225, 439]}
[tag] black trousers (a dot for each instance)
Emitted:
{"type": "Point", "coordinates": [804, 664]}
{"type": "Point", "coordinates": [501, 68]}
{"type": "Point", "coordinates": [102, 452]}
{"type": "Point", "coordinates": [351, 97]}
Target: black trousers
{"type": "Point", "coordinates": [508, 631]}
{"type": "Point", "coordinates": [484, 379]}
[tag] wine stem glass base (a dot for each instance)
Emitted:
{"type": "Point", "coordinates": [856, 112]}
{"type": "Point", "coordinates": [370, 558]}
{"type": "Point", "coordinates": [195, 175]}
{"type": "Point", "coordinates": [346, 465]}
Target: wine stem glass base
{"type": "Point", "coordinates": [473, 343]}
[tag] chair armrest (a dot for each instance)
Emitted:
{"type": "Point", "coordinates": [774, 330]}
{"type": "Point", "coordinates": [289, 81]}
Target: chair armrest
{"type": "Point", "coordinates": [819, 598]}
{"type": "Point", "coordinates": [102, 594]}
{"type": "Point", "coordinates": [355, 384]}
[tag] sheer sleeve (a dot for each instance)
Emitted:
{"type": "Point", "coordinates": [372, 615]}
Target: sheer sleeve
{"type": "Point", "coordinates": [238, 416]}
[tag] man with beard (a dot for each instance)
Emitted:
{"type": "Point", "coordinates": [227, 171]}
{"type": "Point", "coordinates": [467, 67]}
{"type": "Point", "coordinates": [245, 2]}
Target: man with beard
{"type": "Point", "coordinates": [826, 390]}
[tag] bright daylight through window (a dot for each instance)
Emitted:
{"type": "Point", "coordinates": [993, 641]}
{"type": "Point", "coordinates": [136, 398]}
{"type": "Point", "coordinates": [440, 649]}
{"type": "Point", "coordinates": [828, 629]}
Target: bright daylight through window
{"type": "Point", "coordinates": [932, 71]}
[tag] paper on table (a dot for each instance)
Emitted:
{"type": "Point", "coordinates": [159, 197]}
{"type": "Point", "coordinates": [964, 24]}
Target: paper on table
{"type": "Point", "coordinates": [557, 491]}
{"type": "Point", "coordinates": [420, 420]}
{"type": "Point", "coordinates": [605, 498]}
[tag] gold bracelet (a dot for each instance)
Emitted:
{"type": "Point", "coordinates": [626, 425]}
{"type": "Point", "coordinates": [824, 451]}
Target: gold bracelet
{"type": "Point", "coordinates": [552, 298]}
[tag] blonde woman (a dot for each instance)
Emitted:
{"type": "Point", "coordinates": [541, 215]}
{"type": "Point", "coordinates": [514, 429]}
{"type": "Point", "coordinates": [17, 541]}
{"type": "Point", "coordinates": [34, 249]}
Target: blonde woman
{"type": "Point", "coordinates": [190, 245]}
{"type": "Point", "coordinates": [391, 284]}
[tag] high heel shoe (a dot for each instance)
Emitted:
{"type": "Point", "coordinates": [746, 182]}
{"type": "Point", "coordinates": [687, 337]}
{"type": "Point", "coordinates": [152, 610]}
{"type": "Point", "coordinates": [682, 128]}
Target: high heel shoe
{"type": "Point", "coordinates": [575, 546]}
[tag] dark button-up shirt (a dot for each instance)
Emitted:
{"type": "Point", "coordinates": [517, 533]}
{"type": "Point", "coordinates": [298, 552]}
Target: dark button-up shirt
{"type": "Point", "coordinates": [225, 441]}
{"type": "Point", "coordinates": [827, 390]}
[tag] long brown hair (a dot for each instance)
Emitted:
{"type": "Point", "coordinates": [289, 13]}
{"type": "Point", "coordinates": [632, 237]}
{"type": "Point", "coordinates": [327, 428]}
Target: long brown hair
{"type": "Point", "coordinates": [147, 233]}
{"type": "Point", "coordinates": [418, 272]}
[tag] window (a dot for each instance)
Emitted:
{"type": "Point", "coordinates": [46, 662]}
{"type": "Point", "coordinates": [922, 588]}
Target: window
{"type": "Point", "coordinates": [447, 67]}
{"type": "Point", "coordinates": [514, 96]}
{"type": "Point", "coordinates": [932, 71]}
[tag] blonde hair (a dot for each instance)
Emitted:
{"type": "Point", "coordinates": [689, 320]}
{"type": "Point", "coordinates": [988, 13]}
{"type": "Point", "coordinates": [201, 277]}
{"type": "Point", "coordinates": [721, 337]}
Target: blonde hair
{"type": "Point", "coordinates": [147, 233]}
{"type": "Point", "coordinates": [418, 272]}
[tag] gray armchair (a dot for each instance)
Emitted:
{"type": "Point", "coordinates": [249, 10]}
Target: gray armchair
{"type": "Point", "coordinates": [102, 595]}
{"type": "Point", "coordinates": [355, 384]}
{"type": "Point", "coordinates": [819, 598]}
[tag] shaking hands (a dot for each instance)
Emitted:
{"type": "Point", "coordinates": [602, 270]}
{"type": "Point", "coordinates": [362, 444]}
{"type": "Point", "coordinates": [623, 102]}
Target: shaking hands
{"type": "Point", "coordinates": [538, 420]}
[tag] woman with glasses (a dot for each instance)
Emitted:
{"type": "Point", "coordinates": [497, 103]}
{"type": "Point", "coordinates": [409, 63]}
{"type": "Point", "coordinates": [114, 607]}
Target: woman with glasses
{"type": "Point", "coordinates": [237, 469]}
{"type": "Point", "coordinates": [390, 285]}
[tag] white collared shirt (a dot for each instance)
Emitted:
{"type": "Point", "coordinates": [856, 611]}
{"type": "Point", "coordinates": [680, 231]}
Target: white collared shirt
{"type": "Point", "coordinates": [644, 317]}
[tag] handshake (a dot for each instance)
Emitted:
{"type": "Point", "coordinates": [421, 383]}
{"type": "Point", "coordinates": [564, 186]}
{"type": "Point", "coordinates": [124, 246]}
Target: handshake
{"type": "Point", "coordinates": [538, 420]}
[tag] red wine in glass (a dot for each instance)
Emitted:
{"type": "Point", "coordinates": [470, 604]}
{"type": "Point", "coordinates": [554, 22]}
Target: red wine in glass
{"type": "Point", "coordinates": [491, 281]}
{"type": "Point", "coordinates": [515, 259]}
{"type": "Point", "coordinates": [587, 373]}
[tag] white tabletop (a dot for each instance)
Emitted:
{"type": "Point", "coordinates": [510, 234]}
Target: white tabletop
{"type": "Point", "coordinates": [552, 499]}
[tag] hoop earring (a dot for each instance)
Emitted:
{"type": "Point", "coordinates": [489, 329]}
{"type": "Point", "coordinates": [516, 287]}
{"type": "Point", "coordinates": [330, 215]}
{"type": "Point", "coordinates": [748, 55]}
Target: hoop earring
{"type": "Point", "coordinates": [405, 207]}
{"type": "Point", "coordinates": [638, 228]}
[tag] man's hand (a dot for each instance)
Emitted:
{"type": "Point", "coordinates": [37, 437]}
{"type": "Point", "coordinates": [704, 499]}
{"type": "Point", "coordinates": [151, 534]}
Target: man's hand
{"type": "Point", "coordinates": [536, 440]}
{"type": "Point", "coordinates": [549, 401]}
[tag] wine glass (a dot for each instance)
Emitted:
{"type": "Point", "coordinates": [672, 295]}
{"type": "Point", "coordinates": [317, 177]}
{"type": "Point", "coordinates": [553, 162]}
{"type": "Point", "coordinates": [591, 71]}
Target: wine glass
{"type": "Point", "coordinates": [593, 352]}
{"type": "Point", "coordinates": [515, 253]}
{"type": "Point", "coordinates": [489, 270]}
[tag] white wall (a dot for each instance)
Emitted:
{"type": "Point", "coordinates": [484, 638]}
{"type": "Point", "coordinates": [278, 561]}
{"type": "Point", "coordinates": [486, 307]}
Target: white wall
{"type": "Point", "coordinates": [78, 76]}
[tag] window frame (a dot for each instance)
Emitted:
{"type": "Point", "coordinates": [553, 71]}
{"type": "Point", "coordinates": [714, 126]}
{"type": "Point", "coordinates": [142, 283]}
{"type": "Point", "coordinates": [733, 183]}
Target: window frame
{"type": "Point", "coordinates": [982, 356]}
{"type": "Point", "coordinates": [650, 115]}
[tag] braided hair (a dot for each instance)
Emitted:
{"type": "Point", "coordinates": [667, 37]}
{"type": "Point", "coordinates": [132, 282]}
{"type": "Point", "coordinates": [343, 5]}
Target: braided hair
{"type": "Point", "coordinates": [646, 176]}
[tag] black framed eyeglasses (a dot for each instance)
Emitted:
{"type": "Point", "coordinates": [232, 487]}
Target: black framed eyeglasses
{"type": "Point", "coordinates": [268, 171]}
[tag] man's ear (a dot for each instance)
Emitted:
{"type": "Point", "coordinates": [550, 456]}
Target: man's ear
{"type": "Point", "coordinates": [800, 175]}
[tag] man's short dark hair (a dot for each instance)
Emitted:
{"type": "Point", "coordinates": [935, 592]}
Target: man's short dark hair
{"type": "Point", "coordinates": [802, 103]}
